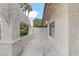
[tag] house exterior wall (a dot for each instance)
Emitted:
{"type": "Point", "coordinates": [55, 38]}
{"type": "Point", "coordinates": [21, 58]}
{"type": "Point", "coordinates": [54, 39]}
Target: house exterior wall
{"type": "Point", "coordinates": [59, 14]}
{"type": "Point", "coordinates": [66, 17]}
{"type": "Point", "coordinates": [74, 29]}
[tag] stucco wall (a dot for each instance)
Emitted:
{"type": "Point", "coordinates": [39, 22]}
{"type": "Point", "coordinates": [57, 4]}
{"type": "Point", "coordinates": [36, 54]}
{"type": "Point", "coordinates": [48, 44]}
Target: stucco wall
{"type": "Point", "coordinates": [10, 29]}
{"type": "Point", "coordinates": [66, 17]}
{"type": "Point", "coordinates": [60, 15]}
{"type": "Point", "coordinates": [74, 29]}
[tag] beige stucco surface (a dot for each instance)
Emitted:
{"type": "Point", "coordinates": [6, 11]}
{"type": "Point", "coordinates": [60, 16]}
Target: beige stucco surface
{"type": "Point", "coordinates": [66, 17]}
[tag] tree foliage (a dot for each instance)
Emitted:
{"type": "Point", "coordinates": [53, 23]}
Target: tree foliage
{"type": "Point", "coordinates": [23, 29]}
{"type": "Point", "coordinates": [26, 6]}
{"type": "Point", "coordinates": [37, 23]}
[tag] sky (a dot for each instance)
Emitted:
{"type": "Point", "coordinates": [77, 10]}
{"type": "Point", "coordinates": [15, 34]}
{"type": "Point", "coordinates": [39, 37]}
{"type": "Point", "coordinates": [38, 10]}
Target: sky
{"type": "Point", "coordinates": [37, 12]}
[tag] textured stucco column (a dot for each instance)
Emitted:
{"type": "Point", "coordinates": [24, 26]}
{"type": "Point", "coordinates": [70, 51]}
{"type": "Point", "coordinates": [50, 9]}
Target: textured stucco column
{"type": "Point", "coordinates": [10, 43]}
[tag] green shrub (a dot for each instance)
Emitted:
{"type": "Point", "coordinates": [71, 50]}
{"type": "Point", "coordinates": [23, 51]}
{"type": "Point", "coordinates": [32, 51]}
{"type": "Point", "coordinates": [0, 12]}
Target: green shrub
{"type": "Point", "coordinates": [23, 29]}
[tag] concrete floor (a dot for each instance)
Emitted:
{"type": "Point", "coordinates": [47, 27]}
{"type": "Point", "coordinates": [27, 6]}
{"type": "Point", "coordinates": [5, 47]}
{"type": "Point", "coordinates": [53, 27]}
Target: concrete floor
{"type": "Point", "coordinates": [39, 45]}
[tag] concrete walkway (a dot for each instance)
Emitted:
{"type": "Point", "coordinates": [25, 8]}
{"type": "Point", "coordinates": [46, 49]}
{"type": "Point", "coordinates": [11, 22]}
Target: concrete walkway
{"type": "Point", "coordinates": [39, 45]}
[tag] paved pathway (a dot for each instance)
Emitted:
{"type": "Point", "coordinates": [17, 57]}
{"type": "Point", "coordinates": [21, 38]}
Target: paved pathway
{"type": "Point", "coordinates": [39, 45]}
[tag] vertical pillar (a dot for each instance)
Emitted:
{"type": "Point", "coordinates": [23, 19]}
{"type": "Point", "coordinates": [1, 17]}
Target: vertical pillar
{"type": "Point", "coordinates": [10, 43]}
{"type": "Point", "coordinates": [5, 44]}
